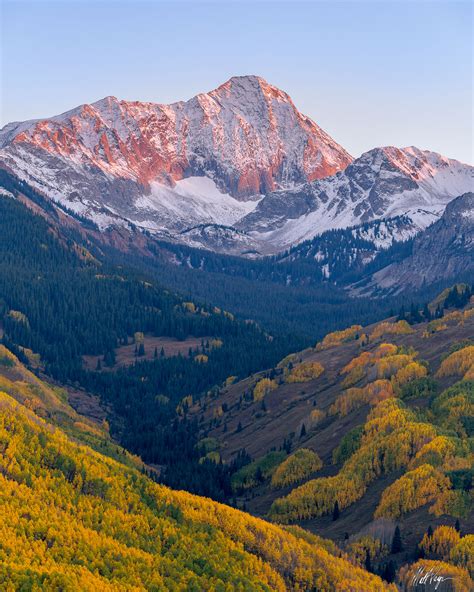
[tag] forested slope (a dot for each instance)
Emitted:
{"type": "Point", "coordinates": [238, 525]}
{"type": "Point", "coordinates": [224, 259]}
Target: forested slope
{"type": "Point", "coordinates": [370, 429]}
{"type": "Point", "coordinates": [58, 302]}
{"type": "Point", "coordinates": [73, 519]}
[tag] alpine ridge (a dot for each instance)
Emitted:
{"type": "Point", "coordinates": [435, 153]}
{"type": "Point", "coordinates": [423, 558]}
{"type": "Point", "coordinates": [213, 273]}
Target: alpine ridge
{"type": "Point", "coordinates": [237, 170]}
{"type": "Point", "coordinates": [247, 135]}
{"type": "Point", "coordinates": [383, 183]}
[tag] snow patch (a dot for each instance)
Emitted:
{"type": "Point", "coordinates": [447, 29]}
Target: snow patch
{"type": "Point", "coordinates": [195, 200]}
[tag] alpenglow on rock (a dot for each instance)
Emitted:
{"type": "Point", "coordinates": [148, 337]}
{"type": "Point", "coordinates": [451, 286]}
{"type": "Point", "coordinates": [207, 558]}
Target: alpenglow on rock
{"type": "Point", "coordinates": [383, 183]}
{"type": "Point", "coordinates": [246, 135]}
{"type": "Point", "coordinates": [237, 170]}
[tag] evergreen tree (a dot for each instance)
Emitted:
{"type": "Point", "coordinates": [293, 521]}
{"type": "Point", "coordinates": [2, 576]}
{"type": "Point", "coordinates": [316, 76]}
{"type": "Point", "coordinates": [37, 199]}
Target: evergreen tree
{"type": "Point", "coordinates": [335, 512]}
{"type": "Point", "coordinates": [303, 431]}
{"type": "Point", "coordinates": [397, 541]}
{"type": "Point", "coordinates": [141, 350]}
{"type": "Point", "coordinates": [367, 562]}
{"type": "Point", "coordinates": [389, 572]}
{"type": "Point", "coordinates": [109, 358]}
{"type": "Point", "coordinates": [457, 525]}
{"type": "Point", "coordinates": [426, 312]}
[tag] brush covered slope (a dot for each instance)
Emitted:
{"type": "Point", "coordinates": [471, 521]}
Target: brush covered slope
{"type": "Point", "coordinates": [73, 518]}
{"type": "Point", "coordinates": [375, 423]}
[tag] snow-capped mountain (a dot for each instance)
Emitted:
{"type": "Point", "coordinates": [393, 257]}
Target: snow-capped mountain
{"type": "Point", "coordinates": [236, 170]}
{"type": "Point", "coordinates": [245, 138]}
{"type": "Point", "coordinates": [443, 251]}
{"type": "Point", "coordinates": [383, 183]}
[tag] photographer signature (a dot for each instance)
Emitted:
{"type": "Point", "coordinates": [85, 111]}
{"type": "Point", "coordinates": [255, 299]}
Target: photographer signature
{"type": "Point", "coordinates": [431, 577]}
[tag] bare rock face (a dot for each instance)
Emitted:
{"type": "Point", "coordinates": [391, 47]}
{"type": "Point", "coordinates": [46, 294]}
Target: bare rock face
{"type": "Point", "coordinates": [246, 135]}
{"type": "Point", "coordinates": [444, 250]}
{"type": "Point", "coordinates": [237, 170]}
{"type": "Point", "coordinates": [381, 184]}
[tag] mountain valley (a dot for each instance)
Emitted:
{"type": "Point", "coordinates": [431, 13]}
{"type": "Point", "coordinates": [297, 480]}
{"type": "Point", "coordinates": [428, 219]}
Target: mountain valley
{"type": "Point", "coordinates": [233, 356]}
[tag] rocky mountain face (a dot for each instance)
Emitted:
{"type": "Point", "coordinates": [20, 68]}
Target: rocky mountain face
{"type": "Point", "coordinates": [443, 251]}
{"type": "Point", "coordinates": [238, 170]}
{"type": "Point", "coordinates": [247, 136]}
{"type": "Point", "coordinates": [383, 183]}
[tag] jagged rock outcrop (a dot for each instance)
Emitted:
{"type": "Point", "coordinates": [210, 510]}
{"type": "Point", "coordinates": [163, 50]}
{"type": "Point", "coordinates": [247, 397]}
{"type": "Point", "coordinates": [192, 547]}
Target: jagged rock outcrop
{"type": "Point", "coordinates": [444, 250]}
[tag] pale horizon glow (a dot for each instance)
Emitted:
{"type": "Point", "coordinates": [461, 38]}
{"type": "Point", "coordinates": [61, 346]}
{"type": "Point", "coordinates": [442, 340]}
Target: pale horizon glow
{"type": "Point", "coordinates": [370, 73]}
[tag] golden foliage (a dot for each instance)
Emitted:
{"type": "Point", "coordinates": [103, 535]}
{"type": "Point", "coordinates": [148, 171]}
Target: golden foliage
{"type": "Point", "coordinates": [355, 375]}
{"type": "Point", "coordinates": [362, 360]}
{"type": "Point", "coordinates": [459, 579]}
{"type": "Point", "coordinates": [353, 398]}
{"type": "Point", "coordinates": [454, 406]}
{"type": "Point", "coordinates": [201, 359]}
{"type": "Point", "coordinates": [316, 417]}
{"type": "Point", "coordinates": [19, 317]}
{"type": "Point", "coordinates": [359, 548]}
{"type": "Point", "coordinates": [434, 327]}
{"type": "Point", "coordinates": [215, 343]}
{"type": "Point", "coordinates": [412, 371]}
{"type": "Point", "coordinates": [440, 544]}
{"type": "Point", "coordinates": [387, 328]}
{"type": "Point", "coordinates": [384, 350]}
{"type": "Point", "coordinates": [305, 372]}
{"type": "Point", "coordinates": [390, 365]}
{"type": "Point", "coordinates": [391, 439]}
{"type": "Point", "coordinates": [263, 387]}
{"type": "Point", "coordinates": [316, 498]}
{"type": "Point", "coordinates": [296, 467]}
{"type": "Point", "coordinates": [436, 453]}
{"type": "Point", "coordinates": [339, 337]}
{"type": "Point", "coordinates": [189, 307]}
{"type": "Point", "coordinates": [467, 314]}
{"type": "Point", "coordinates": [462, 554]}
{"type": "Point", "coordinates": [413, 490]}
{"type": "Point", "coordinates": [459, 363]}
{"type": "Point", "coordinates": [72, 519]}
{"type": "Point", "coordinates": [456, 503]}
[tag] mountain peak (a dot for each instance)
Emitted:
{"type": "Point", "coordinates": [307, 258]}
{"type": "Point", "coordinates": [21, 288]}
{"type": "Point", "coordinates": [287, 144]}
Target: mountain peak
{"type": "Point", "coordinates": [246, 135]}
{"type": "Point", "coordinates": [252, 86]}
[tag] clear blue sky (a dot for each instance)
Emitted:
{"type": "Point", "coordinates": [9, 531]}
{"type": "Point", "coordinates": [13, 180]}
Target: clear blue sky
{"type": "Point", "coordinates": [370, 73]}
